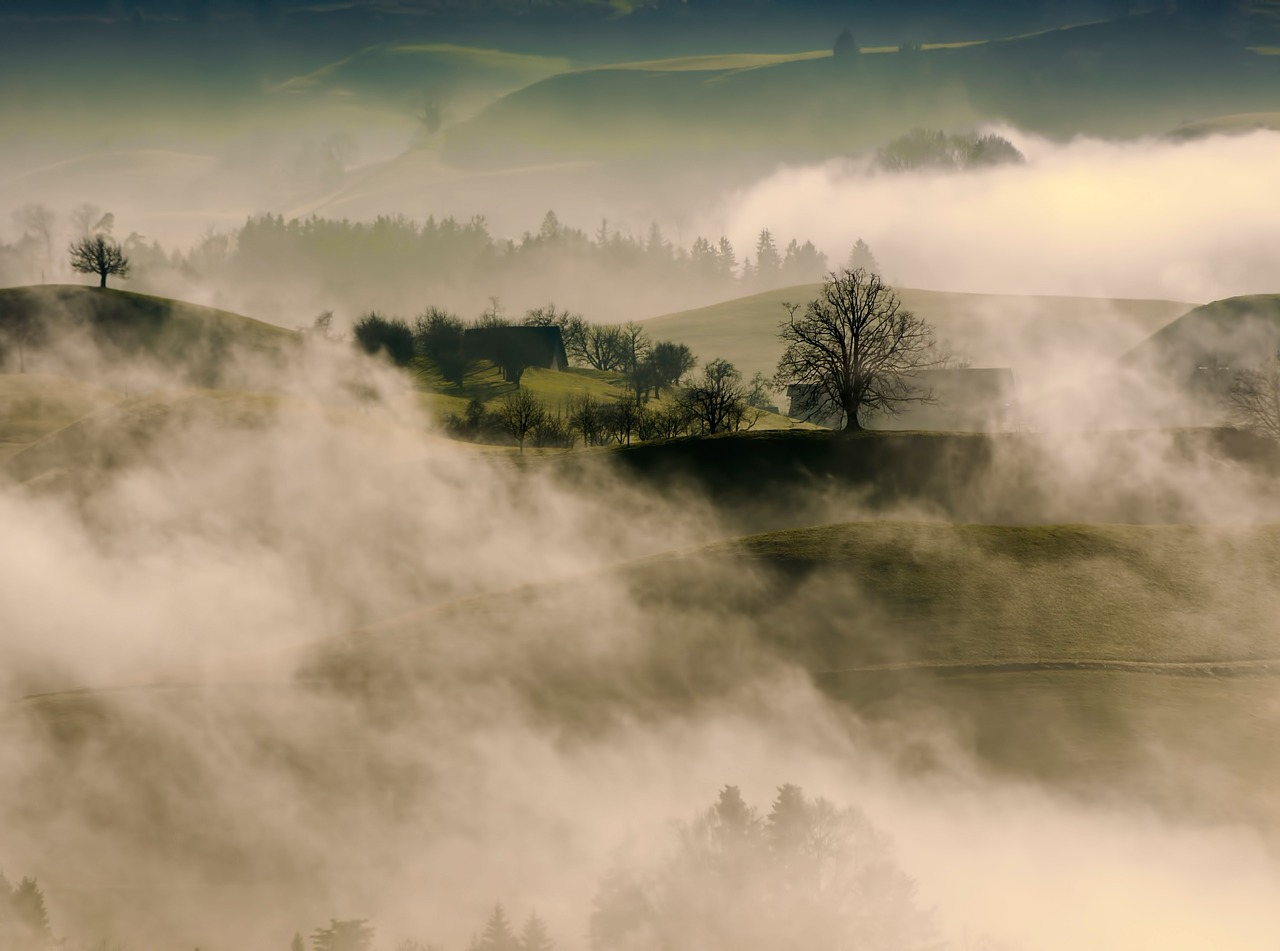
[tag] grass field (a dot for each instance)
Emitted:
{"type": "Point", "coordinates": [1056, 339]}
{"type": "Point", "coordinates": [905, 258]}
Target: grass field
{"type": "Point", "coordinates": [33, 405]}
{"type": "Point", "coordinates": [1107, 660]}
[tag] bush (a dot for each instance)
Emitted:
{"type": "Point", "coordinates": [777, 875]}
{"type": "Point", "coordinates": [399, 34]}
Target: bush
{"type": "Point", "coordinates": [375, 333]}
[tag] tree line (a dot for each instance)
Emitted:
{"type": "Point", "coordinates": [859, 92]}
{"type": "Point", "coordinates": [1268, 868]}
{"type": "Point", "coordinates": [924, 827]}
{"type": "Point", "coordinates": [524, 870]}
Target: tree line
{"type": "Point", "coordinates": [806, 873]}
{"type": "Point", "coordinates": [713, 401]}
{"type": "Point", "coordinates": [352, 261]}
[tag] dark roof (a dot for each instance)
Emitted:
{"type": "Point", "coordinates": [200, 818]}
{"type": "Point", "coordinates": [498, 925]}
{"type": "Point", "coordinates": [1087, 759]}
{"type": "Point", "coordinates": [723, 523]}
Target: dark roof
{"type": "Point", "coordinates": [530, 346]}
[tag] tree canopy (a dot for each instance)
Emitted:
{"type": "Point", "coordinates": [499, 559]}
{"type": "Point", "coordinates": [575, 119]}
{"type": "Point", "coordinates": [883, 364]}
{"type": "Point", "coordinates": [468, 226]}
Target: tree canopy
{"type": "Point", "coordinates": [98, 254]}
{"type": "Point", "coordinates": [854, 350]}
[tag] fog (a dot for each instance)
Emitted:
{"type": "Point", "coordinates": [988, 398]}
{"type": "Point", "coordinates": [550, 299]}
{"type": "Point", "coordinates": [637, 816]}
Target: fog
{"type": "Point", "coordinates": [341, 667]}
{"type": "Point", "coordinates": [277, 652]}
{"type": "Point", "coordinates": [1193, 221]}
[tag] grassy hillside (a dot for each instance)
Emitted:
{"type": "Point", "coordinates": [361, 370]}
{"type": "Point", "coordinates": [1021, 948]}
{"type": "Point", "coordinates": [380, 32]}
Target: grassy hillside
{"type": "Point", "coordinates": [1232, 332]}
{"type": "Point", "coordinates": [1040, 337]}
{"type": "Point", "coordinates": [556, 389]}
{"type": "Point", "coordinates": [1120, 77]}
{"type": "Point", "coordinates": [34, 405]}
{"type": "Point", "coordinates": [112, 335]}
{"type": "Point", "coordinates": [457, 79]}
{"type": "Point", "coordinates": [1099, 658]}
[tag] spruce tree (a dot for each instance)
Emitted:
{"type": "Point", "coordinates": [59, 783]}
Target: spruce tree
{"type": "Point", "coordinates": [498, 935]}
{"type": "Point", "coordinates": [534, 936]}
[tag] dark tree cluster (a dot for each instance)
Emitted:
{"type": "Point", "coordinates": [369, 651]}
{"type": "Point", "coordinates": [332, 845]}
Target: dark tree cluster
{"type": "Point", "coordinates": [930, 149]}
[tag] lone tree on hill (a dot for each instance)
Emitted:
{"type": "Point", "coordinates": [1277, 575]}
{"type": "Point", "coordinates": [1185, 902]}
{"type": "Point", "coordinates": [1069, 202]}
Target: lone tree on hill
{"type": "Point", "coordinates": [854, 350]}
{"type": "Point", "coordinates": [98, 254]}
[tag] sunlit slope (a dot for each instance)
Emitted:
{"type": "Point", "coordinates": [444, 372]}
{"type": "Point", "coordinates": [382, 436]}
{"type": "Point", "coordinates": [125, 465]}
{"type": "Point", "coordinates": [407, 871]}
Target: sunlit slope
{"type": "Point", "coordinates": [34, 405]}
{"type": "Point", "coordinates": [420, 77]}
{"type": "Point", "coordinates": [1124, 77]}
{"type": "Point", "coordinates": [87, 331]}
{"type": "Point", "coordinates": [1041, 337]}
{"type": "Point", "coordinates": [1241, 124]}
{"type": "Point", "coordinates": [558, 390]}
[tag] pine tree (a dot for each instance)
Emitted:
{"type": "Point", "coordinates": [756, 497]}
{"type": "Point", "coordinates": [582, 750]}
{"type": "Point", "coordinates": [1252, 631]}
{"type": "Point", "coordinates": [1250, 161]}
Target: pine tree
{"type": "Point", "coordinates": [861, 258]}
{"type": "Point", "coordinates": [498, 935]}
{"type": "Point", "coordinates": [297, 944]}
{"type": "Point", "coordinates": [768, 260]}
{"type": "Point", "coordinates": [534, 936]}
{"type": "Point", "coordinates": [727, 258]}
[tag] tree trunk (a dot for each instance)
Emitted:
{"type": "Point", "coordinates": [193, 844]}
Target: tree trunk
{"type": "Point", "coordinates": [103, 276]}
{"type": "Point", "coordinates": [851, 423]}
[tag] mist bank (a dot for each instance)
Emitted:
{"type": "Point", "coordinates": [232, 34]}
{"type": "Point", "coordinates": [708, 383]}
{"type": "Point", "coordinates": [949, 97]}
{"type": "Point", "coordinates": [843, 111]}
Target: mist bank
{"type": "Point", "coordinates": [299, 659]}
{"type": "Point", "coordinates": [1155, 219]}
{"type": "Point", "coordinates": [1182, 220]}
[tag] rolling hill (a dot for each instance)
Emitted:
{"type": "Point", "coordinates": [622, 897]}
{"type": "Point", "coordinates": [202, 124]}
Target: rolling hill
{"type": "Point", "coordinates": [1123, 77]}
{"type": "Point", "coordinates": [1230, 333]}
{"type": "Point", "coordinates": [113, 336]}
{"type": "Point", "coordinates": [1046, 340]}
{"type": "Point", "coordinates": [1089, 656]}
{"type": "Point", "coordinates": [456, 80]}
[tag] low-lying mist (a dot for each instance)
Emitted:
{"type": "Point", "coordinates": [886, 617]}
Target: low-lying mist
{"type": "Point", "coordinates": [1192, 221]}
{"type": "Point", "coordinates": [298, 659]}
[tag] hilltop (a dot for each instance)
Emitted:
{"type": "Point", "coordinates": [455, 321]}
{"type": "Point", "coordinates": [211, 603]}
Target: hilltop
{"type": "Point", "coordinates": [113, 335]}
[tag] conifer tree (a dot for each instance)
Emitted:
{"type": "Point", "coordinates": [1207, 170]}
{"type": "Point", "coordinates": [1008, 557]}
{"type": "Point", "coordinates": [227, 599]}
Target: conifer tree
{"type": "Point", "coordinates": [498, 935]}
{"type": "Point", "coordinates": [534, 936]}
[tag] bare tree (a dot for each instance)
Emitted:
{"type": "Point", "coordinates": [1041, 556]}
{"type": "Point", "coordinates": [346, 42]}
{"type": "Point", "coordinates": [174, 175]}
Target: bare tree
{"type": "Point", "coordinates": [601, 348]}
{"type": "Point", "coordinates": [1254, 399]}
{"type": "Point", "coordinates": [587, 416]}
{"type": "Point", "coordinates": [521, 412]}
{"type": "Point", "coordinates": [716, 402]}
{"type": "Point", "coordinates": [37, 220]}
{"type": "Point", "coordinates": [99, 255]}
{"type": "Point", "coordinates": [854, 349]}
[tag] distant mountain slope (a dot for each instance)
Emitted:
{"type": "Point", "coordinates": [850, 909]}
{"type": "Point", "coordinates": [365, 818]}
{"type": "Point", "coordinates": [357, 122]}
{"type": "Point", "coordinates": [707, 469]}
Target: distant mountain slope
{"type": "Point", "coordinates": [415, 76]}
{"type": "Point", "coordinates": [1122, 77]}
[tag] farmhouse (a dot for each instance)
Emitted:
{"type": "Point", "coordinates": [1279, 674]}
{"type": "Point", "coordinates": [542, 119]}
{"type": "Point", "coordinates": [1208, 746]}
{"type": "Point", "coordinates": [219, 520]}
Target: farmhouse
{"type": "Point", "coordinates": [977, 400]}
{"type": "Point", "coordinates": [515, 349]}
